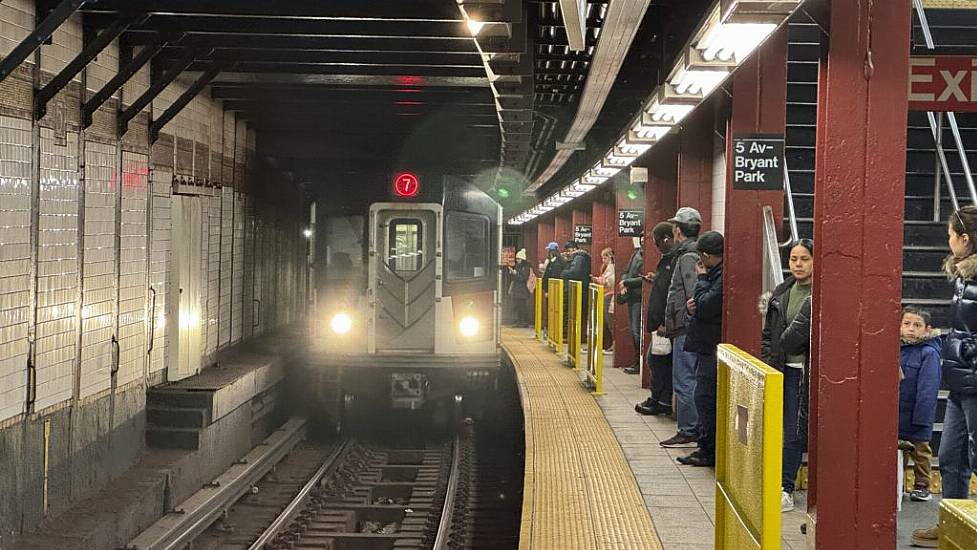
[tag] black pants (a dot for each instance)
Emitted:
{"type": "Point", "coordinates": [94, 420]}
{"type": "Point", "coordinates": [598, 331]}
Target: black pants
{"type": "Point", "coordinates": [520, 311]}
{"type": "Point", "coordinates": [661, 378]}
{"type": "Point", "coordinates": [705, 402]}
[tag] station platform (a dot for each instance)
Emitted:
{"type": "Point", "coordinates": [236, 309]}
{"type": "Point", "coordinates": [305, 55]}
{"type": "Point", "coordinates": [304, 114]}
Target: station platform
{"type": "Point", "coordinates": [577, 462]}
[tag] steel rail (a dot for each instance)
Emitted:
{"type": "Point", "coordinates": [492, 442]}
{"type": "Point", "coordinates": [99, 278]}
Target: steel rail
{"type": "Point", "coordinates": [295, 505]}
{"type": "Point", "coordinates": [448, 510]}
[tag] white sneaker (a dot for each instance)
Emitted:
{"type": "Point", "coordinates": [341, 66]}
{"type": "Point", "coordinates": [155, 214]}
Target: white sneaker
{"type": "Point", "coordinates": [786, 501]}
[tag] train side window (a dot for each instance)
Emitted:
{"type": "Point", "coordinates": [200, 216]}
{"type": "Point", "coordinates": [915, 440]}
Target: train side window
{"type": "Point", "coordinates": [466, 246]}
{"type": "Point", "coordinates": [405, 245]}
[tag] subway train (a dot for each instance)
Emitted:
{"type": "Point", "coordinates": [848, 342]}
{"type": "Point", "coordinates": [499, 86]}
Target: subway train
{"type": "Point", "coordinates": [407, 305]}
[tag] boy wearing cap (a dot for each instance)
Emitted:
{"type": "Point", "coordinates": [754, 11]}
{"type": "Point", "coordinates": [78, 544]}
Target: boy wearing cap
{"type": "Point", "coordinates": [704, 331]}
{"type": "Point", "coordinates": [554, 265]}
{"type": "Point", "coordinates": [685, 232]}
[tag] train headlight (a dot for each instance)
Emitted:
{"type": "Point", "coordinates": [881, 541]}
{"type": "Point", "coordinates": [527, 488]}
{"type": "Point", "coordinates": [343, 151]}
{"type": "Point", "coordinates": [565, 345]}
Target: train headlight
{"type": "Point", "coordinates": [341, 323]}
{"type": "Point", "coordinates": [468, 326]}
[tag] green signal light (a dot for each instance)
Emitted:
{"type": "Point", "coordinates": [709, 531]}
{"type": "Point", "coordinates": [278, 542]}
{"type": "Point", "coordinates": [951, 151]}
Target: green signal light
{"type": "Point", "coordinates": [632, 194]}
{"type": "Point", "coordinates": [503, 193]}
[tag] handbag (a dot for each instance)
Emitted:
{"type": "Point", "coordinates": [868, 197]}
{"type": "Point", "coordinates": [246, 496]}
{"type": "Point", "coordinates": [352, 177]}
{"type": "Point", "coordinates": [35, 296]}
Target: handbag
{"type": "Point", "coordinates": [660, 345]}
{"type": "Point", "coordinates": [531, 282]}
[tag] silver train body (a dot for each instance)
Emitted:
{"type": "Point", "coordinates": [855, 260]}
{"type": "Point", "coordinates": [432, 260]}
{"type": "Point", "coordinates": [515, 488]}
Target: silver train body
{"type": "Point", "coordinates": [407, 302]}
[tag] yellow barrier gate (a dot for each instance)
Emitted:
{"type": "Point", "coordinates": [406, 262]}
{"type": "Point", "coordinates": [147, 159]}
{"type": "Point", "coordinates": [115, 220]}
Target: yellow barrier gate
{"type": "Point", "coordinates": [574, 320]}
{"type": "Point", "coordinates": [554, 317]}
{"type": "Point", "coordinates": [595, 339]}
{"type": "Point", "coordinates": [958, 524]}
{"type": "Point", "coordinates": [749, 436]}
{"type": "Point", "coordinates": [538, 312]}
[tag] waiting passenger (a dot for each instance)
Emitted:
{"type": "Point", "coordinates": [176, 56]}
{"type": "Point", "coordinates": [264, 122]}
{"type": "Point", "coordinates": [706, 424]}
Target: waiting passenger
{"type": "Point", "coordinates": [606, 280]}
{"type": "Point", "coordinates": [958, 457]}
{"type": "Point", "coordinates": [686, 222]}
{"type": "Point", "coordinates": [630, 291]}
{"type": "Point", "coordinates": [519, 290]}
{"type": "Point", "coordinates": [578, 270]}
{"type": "Point", "coordinates": [554, 266]}
{"type": "Point", "coordinates": [920, 363]}
{"type": "Point", "coordinates": [705, 329]}
{"type": "Point", "coordinates": [660, 400]}
{"type": "Point", "coordinates": [782, 309]}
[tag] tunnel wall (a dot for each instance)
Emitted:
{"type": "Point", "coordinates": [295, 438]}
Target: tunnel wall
{"type": "Point", "coordinates": [90, 312]}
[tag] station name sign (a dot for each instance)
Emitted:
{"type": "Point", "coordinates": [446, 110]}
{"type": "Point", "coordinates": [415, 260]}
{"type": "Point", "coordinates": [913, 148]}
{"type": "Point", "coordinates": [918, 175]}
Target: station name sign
{"type": "Point", "coordinates": [583, 233]}
{"type": "Point", "coordinates": [943, 83]}
{"type": "Point", "coordinates": [630, 222]}
{"type": "Point", "coordinates": [758, 161]}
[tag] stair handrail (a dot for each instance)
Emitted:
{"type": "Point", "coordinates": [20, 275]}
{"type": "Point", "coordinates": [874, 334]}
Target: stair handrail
{"type": "Point", "coordinates": [951, 118]}
{"type": "Point", "coordinates": [772, 268]}
{"type": "Point", "coordinates": [791, 213]}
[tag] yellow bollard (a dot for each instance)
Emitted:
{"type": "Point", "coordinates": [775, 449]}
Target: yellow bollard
{"type": "Point", "coordinates": [574, 324]}
{"type": "Point", "coordinates": [554, 318]}
{"type": "Point", "coordinates": [595, 339]}
{"type": "Point", "coordinates": [538, 312]}
{"type": "Point", "coordinates": [958, 524]}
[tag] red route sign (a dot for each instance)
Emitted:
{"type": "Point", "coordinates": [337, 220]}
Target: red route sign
{"type": "Point", "coordinates": [943, 83]}
{"type": "Point", "coordinates": [406, 185]}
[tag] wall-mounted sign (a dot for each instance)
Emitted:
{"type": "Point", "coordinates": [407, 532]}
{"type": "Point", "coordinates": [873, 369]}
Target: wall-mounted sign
{"type": "Point", "coordinates": [943, 83]}
{"type": "Point", "coordinates": [583, 233]}
{"type": "Point", "coordinates": [630, 222]}
{"type": "Point", "coordinates": [406, 185]}
{"type": "Point", "coordinates": [758, 161]}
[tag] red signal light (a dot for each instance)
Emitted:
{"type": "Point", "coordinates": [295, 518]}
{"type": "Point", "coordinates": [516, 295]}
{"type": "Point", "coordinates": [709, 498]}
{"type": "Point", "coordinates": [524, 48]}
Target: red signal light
{"type": "Point", "coordinates": [406, 185]}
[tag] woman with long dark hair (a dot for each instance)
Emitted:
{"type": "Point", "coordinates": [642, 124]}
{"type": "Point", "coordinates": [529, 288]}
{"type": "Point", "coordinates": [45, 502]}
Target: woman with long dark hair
{"type": "Point", "coordinates": [783, 310]}
{"type": "Point", "coordinates": [958, 450]}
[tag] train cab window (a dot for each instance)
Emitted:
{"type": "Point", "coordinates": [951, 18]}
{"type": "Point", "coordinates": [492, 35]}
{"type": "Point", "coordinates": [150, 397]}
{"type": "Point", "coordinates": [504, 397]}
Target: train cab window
{"type": "Point", "coordinates": [405, 245]}
{"type": "Point", "coordinates": [466, 246]}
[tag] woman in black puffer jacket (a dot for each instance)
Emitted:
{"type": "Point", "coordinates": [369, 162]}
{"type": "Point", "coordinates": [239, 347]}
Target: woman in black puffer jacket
{"type": "Point", "coordinates": [958, 451]}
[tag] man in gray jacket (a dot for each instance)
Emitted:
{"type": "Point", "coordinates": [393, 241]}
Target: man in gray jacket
{"type": "Point", "coordinates": [687, 223]}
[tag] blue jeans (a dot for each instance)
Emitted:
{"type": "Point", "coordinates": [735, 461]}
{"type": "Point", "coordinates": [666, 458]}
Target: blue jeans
{"type": "Point", "coordinates": [634, 325]}
{"type": "Point", "coordinates": [793, 451]}
{"type": "Point", "coordinates": [683, 385]}
{"type": "Point", "coordinates": [958, 450]}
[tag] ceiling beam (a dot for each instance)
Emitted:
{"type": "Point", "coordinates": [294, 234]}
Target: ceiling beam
{"type": "Point", "coordinates": [346, 79]}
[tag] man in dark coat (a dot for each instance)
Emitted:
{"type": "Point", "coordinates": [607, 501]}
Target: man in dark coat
{"type": "Point", "coordinates": [577, 270]}
{"type": "Point", "coordinates": [554, 265]}
{"type": "Point", "coordinates": [630, 287]}
{"type": "Point", "coordinates": [704, 331]}
{"type": "Point", "coordinates": [660, 400]}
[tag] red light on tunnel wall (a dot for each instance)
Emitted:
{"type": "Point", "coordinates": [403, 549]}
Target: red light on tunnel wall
{"type": "Point", "coordinates": [406, 185]}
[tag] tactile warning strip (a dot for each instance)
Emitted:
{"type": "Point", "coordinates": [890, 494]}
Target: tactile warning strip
{"type": "Point", "coordinates": [579, 489]}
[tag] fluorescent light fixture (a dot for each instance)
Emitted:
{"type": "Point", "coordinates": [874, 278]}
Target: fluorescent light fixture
{"type": "Point", "coordinates": [697, 81]}
{"type": "Point", "coordinates": [756, 11]}
{"type": "Point", "coordinates": [606, 171]}
{"type": "Point", "coordinates": [583, 187]}
{"type": "Point", "coordinates": [732, 41]}
{"type": "Point", "coordinates": [622, 161]}
{"type": "Point", "coordinates": [590, 178]}
{"type": "Point", "coordinates": [626, 147]}
{"type": "Point", "coordinates": [475, 27]}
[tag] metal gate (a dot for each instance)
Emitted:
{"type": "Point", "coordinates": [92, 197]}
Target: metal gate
{"type": "Point", "coordinates": [403, 277]}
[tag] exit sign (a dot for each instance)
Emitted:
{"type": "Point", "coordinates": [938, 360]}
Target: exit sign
{"type": "Point", "coordinates": [943, 83]}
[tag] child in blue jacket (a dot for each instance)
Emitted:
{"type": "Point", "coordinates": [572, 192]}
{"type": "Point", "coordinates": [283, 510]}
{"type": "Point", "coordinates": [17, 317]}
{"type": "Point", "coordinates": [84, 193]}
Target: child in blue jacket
{"type": "Point", "coordinates": [920, 364]}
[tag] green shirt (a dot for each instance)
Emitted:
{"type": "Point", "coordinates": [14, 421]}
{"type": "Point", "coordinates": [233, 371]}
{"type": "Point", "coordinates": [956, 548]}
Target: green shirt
{"type": "Point", "coordinates": [798, 293]}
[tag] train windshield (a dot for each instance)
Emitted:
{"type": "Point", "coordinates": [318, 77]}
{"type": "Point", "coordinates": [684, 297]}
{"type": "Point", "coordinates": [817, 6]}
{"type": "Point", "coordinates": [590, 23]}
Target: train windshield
{"type": "Point", "coordinates": [466, 246]}
{"type": "Point", "coordinates": [345, 242]}
{"type": "Point", "coordinates": [405, 248]}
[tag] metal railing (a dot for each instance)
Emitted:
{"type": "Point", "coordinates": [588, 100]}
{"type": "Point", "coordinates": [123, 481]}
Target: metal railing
{"type": "Point", "coordinates": [937, 129]}
{"type": "Point", "coordinates": [574, 324]}
{"type": "Point", "coordinates": [773, 273]}
{"type": "Point", "coordinates": [554, 314]}
{"type": "Point", "coordinates": [791, 212]}
{"type": "Point", "coordinates": [594, 373]}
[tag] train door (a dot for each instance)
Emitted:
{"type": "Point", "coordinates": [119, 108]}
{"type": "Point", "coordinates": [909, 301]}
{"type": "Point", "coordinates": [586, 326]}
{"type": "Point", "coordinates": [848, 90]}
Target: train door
{"type": "Point", "coordinates": [404, 281]}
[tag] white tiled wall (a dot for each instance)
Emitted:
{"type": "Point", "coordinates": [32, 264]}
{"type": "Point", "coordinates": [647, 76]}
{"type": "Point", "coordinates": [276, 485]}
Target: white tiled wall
{"type": "Point", "coordinates": [16, 22]}
{"type": "Point", "coordinates": [213, 273]}
{"type": "Point", "coordinates": [226, 240]}
{"type": "Point", "coordinates": [98, 311]}
{"type": "Point", "coordinates": [15, 261]}
{"type": "Point", "coordinates": [136, 85]}
{"type": "Point", "coordinates": [104, 67]}
{"type": "Point", "coordinates": [132, 268]}
{"type": "Point", "coordinates": [57, 269]}
{"type": "Point", "coordinates": [159, 268]}
{"type": "Point", "coordinates": [65, 45]}
{"type": "Point", "coordinates": [719, 186]}
{"type": "Point", "coordinates": [203, 272]}
{"type": "Point", "coordinates": [237, 277]}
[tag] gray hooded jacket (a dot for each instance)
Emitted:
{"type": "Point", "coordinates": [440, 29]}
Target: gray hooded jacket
{"type": "Point", "coordinates": [681, 288]}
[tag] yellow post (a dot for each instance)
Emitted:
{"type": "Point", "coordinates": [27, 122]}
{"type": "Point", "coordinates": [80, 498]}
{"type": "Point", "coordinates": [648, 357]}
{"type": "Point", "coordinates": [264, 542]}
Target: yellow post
{"type": "Point", "coordinates": [538, 312]}
{"type": "Point", "coordinates": [554, 308]}
{"type": "Point", "coordinates": [749, 435]}
{"type": "Point", "coordinates": [958, 524]}
{"type": "Point", "coordinates": [574, 320]}
{"type": "Point", "coordinates": [595, 338]}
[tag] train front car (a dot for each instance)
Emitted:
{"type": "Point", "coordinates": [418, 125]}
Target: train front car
{"type": "Point", "coordinates": [408, 305]}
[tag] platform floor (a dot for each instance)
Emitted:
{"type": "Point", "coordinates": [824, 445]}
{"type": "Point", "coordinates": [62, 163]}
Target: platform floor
{"type": "Point", "coordinates": [680, 500]}
{"type": "Point", "coordinates": [579, 491]}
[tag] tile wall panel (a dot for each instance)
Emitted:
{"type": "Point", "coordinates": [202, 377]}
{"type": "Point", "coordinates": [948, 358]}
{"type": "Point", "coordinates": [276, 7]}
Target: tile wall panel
{"type": "Point", "coordinates": [65, 45]}
{"type": "Point", "coordinates": [237, 277]}
{"type": "Point", "coordinates": [226, 248]}
{"type": "Point", "coordinates": [159, 265]}
{"type": "Point", "coordinates": [16, 22]}
{"type": "Point", "coordinates": [203, 319]}
{"type": "Point", "coordinates": [15, 260]}
{"type": "Point", "coordinates": [57, 269]}
{"type": "Point", "coordinates": [213, 273]}
{"type": "Point", "coordinates": [104, 67]}
{"type": "Point", "coordinates": [132, 268]}
{"type": "Point", "coordinates": [99, 282]}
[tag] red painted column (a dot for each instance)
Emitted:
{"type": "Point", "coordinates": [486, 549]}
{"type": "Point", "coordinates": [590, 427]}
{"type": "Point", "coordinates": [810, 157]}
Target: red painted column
{"type": "Point", "coordinates": [581, 216]}
{"type": "Point", "coordinates": [530, 241]}
{"type": "Point", "coordinates": [562, 226]}
{"type": "Point", "coordinates": [759, 103]}
{"type": "Point", "coordinates": [858, 228]}
{"type": "Point", "coordinates": [604, 220]}
{"type": "Point", "coordinates": [624, 352]}
{"type": "Point", "coordinates": [544, 235]}
{"type": "Point", "coordinates": [695, 165]}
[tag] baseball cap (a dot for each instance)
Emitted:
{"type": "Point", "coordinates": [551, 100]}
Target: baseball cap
{"type": "Point", "coordinates": [687, 215]}
{"type": "Point", "coordinates": [552, 246]}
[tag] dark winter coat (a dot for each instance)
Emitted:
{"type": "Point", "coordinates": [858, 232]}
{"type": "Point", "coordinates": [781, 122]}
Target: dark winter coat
{"type": "Point", "coordinates": [681, 287]}
{"type": "Point", "coordinates": [796, 340]}
{"type": "Point", "coordinates": [578, 270]}
{"type": "Point", "coordinates": [920, 362]}
{"type": "Point", "coordinates": [704, 329]}
{"type": "Point", "coordinates": [632, 277]}
{"type": "Point", "coordinates": [659, 290]}
{"type": "Point", "coordinates": [518, 289]}
{"type": "Point", "coordinates": [771, 350]}
{"type": "Point", "coordinates": [554, 270]}
{"type": "Point", "coordinates": [960, 347]}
